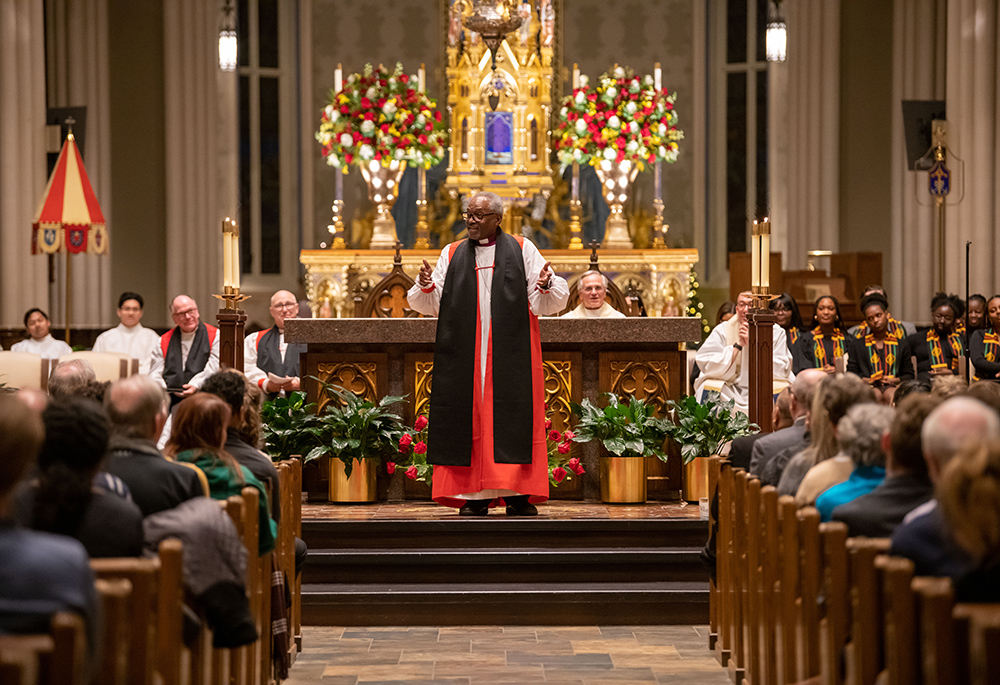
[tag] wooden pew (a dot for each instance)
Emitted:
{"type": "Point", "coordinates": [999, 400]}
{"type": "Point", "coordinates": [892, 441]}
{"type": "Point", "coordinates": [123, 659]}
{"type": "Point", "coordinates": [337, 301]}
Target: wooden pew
{"type": "Point", "coordinates": [286, 542]}
{"type": "Point", "coordinates": [724, 563]}
{"type": "Point", "coordinates": [56, 658]}
{"type": "Point", "coordinates": [865, 651]}
{"type": "Point", "coordinates": [770, 590]}
{"type": "Point", "coordinates": [754, 580]}
{"type": "Point", "coordinates": [810, 577]}
{"type": "Point", "coordinates": [789, 616]}
{"type": "Point", "coordinates": [942, 644]}
{"type": "Point", "coordinates": [983, 631]}
{"type": "Point", "coordinates": [738, 579]}
{"type": "Point", "coordinates": [714, 470]}
{"type": "Point", "coordinates": [154, 614]}
{"type": "Point", "coordinates": [901, 631]}
{"type": "Point", "coordinates": [833, 625]}
{"type": "Point", "coordinates": [295, 582]}
{"type": "Point", "coordinates": [116, 594]}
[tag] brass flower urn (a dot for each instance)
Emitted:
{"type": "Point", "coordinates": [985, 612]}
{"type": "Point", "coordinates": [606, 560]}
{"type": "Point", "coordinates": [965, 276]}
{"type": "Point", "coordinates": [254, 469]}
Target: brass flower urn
{"type": "Point", "coordinates": [383, 190]}
{"type": "Point", "coordinates": [616, 177]}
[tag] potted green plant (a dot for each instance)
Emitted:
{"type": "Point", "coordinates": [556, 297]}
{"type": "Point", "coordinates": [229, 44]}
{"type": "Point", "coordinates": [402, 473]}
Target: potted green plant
{"type": "Point", "coordinates": [360, 434]}
{"type": "Point", "coordinates": [702, 429]}
{"type": "Point", "coordinates": [629, 432]}
{"type": "Point", "coordinates": [292, 430]}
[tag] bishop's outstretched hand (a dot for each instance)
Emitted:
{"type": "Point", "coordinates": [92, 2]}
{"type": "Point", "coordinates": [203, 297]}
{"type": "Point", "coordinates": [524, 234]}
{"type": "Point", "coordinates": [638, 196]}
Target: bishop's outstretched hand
{"type": "Point", "coordinates": [424, 277]}
{"type": "Point", "coordinates": [545, 277]}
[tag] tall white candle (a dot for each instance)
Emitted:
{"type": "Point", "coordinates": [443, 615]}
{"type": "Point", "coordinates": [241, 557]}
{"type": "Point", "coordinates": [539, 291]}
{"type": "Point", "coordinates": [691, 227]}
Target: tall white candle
{"type": "Point", "coordinates": [235, 237]}
{"type": "Point", "coordinates": [576, 76]}
{"type": "Point", "coordinates": [227, 261]}
{"type": "Point", "coordinates": [754, 256]}
{"type": "Point", "coordinates": [765, 255]}
{"type": "Point", "coordinates": [422, 78]}
{"type": "Point", "coordinates": [338, 78]}
{"type": "Point", "coordinates": [657, 76]}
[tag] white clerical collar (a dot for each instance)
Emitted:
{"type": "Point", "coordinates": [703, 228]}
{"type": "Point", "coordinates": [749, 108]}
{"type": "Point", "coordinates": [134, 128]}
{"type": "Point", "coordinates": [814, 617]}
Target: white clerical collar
{"type": "Point", "coordinates": [188, 336]}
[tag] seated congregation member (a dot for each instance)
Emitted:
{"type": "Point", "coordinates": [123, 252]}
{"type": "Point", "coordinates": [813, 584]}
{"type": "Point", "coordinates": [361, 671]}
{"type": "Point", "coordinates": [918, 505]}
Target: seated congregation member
{"type": "Point", "coordinates": [969, 498]}
{"type": "Point", "coordinates": [741, 449]}
{"type": "Point", "coordinates": [593, 290]}
{"type": "Point", "coordinates": [137, 410]}
{"type": "Point", "coordinates": [794, 438]}
{"type": "Point", "coordinates": [198, 436]}
{"type": "Point", "coordinates": [831, 401]}
{"type": "Point", "coordinates": [40, 573]}
{"type": "Point", "coordinates": [975, 316]}
{"type": "Point", "coordinates": [63, 499]}
{"type": "Point", "coordinates": [938, 348]}
{"type": "Point", "coordinates": [906, 485]}
{"type": "Point", "coordinates": [954, 426]}
{"type": "Point", "coordinates": [71, 378]}
{"type": "Point", "coordinates": [266, 352]}
{"type": "Point", "coordinates": [826, 341]}
{"type": "Point", "coordinates": [984, 345]}
{"type": "Point", "coordinates": [898, 328]}
{"type": "Point", "coordinates": [907, 388]}
{"type": "Point", "coordinates": [859, 437]}
{"type": "Point", "coordinates": [986, 392]}
{"type": "Point", "coordinates": [187, 354]}
{"type": "Point", "coordinates": [787, 310]}
{"type": "Point", "coordinates": [40, 341]}
{"type": "Point", "coordinates": [723, 363]}
{"type": "Point", "coordinates": [880, 354]}
{"type": "Point", "coordinates": [129, 337]}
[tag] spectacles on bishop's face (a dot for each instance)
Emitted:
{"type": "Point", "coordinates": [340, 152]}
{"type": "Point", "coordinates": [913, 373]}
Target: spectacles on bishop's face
{"type": "Point", "coordinates": [286, 306]}
{"type": "Point", "coordinates": [475, 216]}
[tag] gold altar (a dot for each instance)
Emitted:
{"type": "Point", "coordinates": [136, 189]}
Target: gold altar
{"type": "Point", "coordinates": [334, 278]}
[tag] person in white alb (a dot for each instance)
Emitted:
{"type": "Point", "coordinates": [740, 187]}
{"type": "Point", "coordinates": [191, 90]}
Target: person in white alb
{"type": "Point", "coordinates": [593, 289]}
{"type": "Point", "coordinates": [40, 342]}
{"type": "Point", "coordinates": [186, 355]}
{"type": "Point", "coordinates": [129, 337]}
{"type": "Point", "coordinates": [724, 364]}
{"type": "Point", "coordinates": [266, 352]}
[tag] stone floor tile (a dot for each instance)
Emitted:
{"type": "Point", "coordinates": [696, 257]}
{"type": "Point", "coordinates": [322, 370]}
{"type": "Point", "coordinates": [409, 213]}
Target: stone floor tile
{"type": "Point", "coordinates": [410, 671]}
{"type": "Point", "coordinates": [588, 661]}
{"type": "Point", "coordinates": [512, 674]}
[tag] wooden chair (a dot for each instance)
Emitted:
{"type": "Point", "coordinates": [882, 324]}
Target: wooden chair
{"type": "Point", "coordinates": [56, 658]}
{"type": "Point", "coordinates": [115, 597]}
{"type": "Point", "coordinates": [154, 613]}
{"type": "Point", "coordinates": [387, 299]}
{"type": "Point", "coordinates": [865, 651]}
{"type": "Point", "coordinates": [836, 611]}
{"type": "Point", "coordinates": [24, 370]}
{"type": "Point", "coordinates": [614, 297]}
{"type": "Point", "coordinates": [109, 366]}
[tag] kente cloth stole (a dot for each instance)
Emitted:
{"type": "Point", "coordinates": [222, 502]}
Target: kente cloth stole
{"type": "Point", "coordinates": [793, 336]}
{"type": "Point", "coordinates": [991, 346]}
{"type": "Point", "coordinates": [896, 329]}
{"type": "Point", "coordinates": [819, 352]}
{"type": "Point", "coordinates": [937, 354]}
{"type": "Point", "coordinates": [875, 359]}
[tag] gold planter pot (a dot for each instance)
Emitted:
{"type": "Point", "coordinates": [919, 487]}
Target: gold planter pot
{"type": "Point", "coordinates": [383, 189]}
{"type": "Point", "coordinates": [623, 480]}
{"type": "Point", "coordinates": [360, 487]}
{"type": "Point", "coordinates": [695, 480]}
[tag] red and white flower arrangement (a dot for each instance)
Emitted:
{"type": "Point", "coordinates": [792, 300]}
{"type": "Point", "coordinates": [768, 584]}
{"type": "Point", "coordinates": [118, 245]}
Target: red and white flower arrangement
{"type": "Point", "coordinates": [623, 117]}
{"type": "Point", "coordinates": [382, 115]}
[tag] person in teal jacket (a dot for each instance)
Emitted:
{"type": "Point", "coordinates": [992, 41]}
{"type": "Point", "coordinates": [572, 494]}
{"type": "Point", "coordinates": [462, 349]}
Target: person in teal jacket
{"type": "Point", "coordinates": [197, 437]}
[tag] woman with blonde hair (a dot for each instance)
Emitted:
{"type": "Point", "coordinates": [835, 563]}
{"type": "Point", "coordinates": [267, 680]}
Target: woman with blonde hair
{"type": "Point", "coordinates": [969, 496]}
{"type": "Point", "coordinates": [197, 437]}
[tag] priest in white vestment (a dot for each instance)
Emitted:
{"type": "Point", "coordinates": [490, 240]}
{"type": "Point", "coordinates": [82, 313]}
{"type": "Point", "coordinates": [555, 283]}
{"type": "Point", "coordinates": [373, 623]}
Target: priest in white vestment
{"type": "Point", "coordinates": [40, 341]}
{"type": "Point", "coordinates": [130, 337]}
{"type": "Point", "coordinates": [486, 430]}
{"type": "Point", "coordinates": [724, 360]}
{"type": "Point", "coordinates": [593, 289]}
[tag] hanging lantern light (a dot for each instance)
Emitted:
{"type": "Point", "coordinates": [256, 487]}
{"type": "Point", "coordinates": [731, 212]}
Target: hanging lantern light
{"type": "Point", "coordinates": [227, 38]}
{"type": "Point", "coordinates": [776, 39]}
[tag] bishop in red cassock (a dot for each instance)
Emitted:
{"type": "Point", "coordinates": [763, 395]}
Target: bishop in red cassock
{"type": "Point", "coordinates": [486, 431]}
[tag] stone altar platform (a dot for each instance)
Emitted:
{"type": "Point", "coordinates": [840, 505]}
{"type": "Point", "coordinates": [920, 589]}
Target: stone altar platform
{"type": "Point", "coordinates": [644, 357]}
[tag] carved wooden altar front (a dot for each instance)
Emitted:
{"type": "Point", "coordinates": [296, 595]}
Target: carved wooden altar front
{"type": "Point", "coordinates": [582, 358]}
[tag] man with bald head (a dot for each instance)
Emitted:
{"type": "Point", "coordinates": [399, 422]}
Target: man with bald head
{"type": "Point", "coordinates": [266, 352]}
{"type": "Point", "coordinates": [593, 290]}
{"type": "Point", "coordinates": [186, 354]}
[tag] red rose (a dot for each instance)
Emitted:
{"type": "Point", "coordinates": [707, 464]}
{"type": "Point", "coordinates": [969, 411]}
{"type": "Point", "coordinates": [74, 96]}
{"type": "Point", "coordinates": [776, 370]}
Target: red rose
{"type": "Point", "coordinates": [420, 423]}
{"type": "Point", "coordinates": [411, 473]}
{"type": "Point", "coordinates": [559, 473]}
{"type": "Point", "coordinates": [564, 448]}
{"type": "Point", "coordinates": [420, 447]}
{"type": "Point", "coordinates": [573, 463]}
{"type": "Point", "coordinates": [405, 442]}
{"type": "Point", "coordinates": [390, 467]}
{"type": "Point", "coordinates": [548, 424]}
{"type": "Point", "coordinates": [437, 115]}
{"type": "Point", "coordinates": [568, 435]}
{"type": "Point", "coordinates": [422, 139]}
{"type": "Point", "coordinates": [344, 109]}
{"type": "Point", "coordinates": [403, 78]}
{"type": "Point", "coordinates": [366, 103]}
{"type": "Point", "coordinates": [348, 158]}
{"type": "Point", "coordinates": [554, 436]}
{"type": "Point", "coordinates": [384, 128]}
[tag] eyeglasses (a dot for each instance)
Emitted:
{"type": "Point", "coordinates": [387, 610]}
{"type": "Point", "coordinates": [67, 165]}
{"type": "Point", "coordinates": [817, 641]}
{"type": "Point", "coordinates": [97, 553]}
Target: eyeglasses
{"type": "Point", "coordinates": [187, 312]}
{"type": "Point", "coordinates": [471, 216]}
{"type": "Point", "coordinates": [285, 305]}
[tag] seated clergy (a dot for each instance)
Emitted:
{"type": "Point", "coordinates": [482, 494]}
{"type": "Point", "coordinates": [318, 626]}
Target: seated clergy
{"type": "Point", "coordinates": [266, 352]}
{"type": "Point", "coordinates": [40, 341]}
{"type": "Point", "coordinates": [593, 289]}
{"type": "Point", "coordinates": [723, 361]}
{"type": "Point", "coordinates": [186, 354]}
{"type": "Point", "coordinates": [129, 337]}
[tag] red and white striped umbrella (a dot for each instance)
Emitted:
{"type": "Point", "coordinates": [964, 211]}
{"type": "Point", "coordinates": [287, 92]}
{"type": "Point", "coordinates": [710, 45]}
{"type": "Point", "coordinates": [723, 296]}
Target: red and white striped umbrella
{"type": "Point", "coordinates": [68, 214]}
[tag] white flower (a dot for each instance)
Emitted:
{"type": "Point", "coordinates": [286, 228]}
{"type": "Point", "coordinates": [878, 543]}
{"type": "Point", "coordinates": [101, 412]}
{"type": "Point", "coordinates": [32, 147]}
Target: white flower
{"type": "Point", "coordinates": [391, 81]}
{"type": "Point", "coordinates": [612, 92]}
{"type": "Point", "coordinates": [648, 80]}
{"type": "Point", "coordinates": [580, 98]}
{"type": "Point", "coordinates": [630, 108]}
{"type": "Point", "coordinates": [634, 87]}
{"type": "Point", "coordinates": [662, 130]}
{"type": "Point", "coordinates": [367, 127]}
{"type": "Point", "coordinates": [421, 120]}
{"type": "Point", "coordinates": [614, 121]}
{"type": "Point", "coordinates": [563, 112]}
{"type": "Point", "coordinates": [671, 156]}
{"type": "Point", "coordinates": [398, 154]}
{"type": "Point", "coordinates": [335, 116]}
{"type": "Point", "coordinates": [633, 127]}
{"type": "Point", "coordinates": [577, 154]}
{"type": "Point", "coordinates": [642, 151]}
{"type": "Point", "coordinates": [333, 161]}
{"type": "Point", "coordinates": [371, 93]}
{"type": "Point", "coordinates": [346, 139]}
{"type": "Point", "coordinates": [581, 126]}
{"type": "Point", "coordinates": [619, 72]}
{"type": "Point", "coordinates": [662, 152]}
{"type": "Point", "coordinates": [610, 153]}
{"type": "Point", "coordinates": [329, 110]}
{"type": "Point", "coordinates": [584, 80]}
{"type": "Point", "coordinates": [366, 152]}
{"type": "Point", "coordinates": [389, 109]}
{"type": "Point", "coordinates": [631, 146]}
